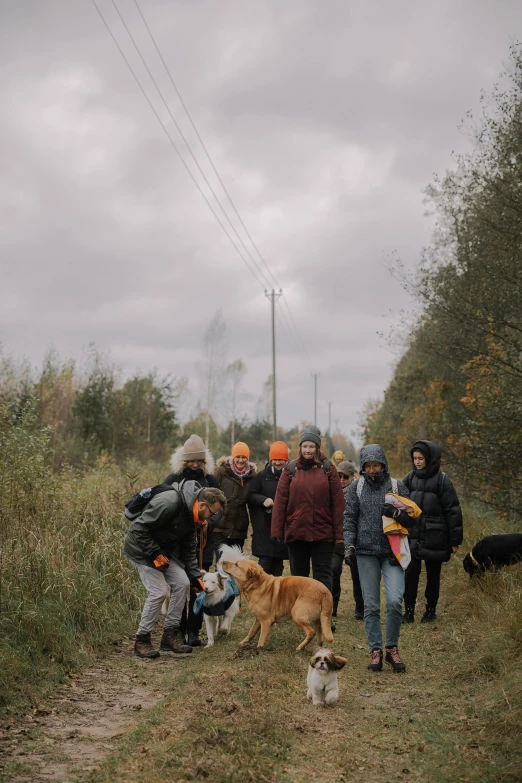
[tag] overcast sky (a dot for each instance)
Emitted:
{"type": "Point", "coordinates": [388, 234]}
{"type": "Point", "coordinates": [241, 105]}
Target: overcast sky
{"type": "Point", "coordinates": [325, 121]}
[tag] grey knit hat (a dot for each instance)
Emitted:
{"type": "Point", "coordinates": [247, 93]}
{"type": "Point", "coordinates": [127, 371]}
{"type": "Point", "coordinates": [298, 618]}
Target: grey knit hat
{"type": "Point", "coordinates": [194, 448]}
{"type": "Point", "coordinates": [311, 432]}
{"type": "Point", "coordinates": [348, 468]}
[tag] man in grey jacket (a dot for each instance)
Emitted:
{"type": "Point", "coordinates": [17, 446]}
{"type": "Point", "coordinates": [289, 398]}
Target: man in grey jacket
{"type": "Point", "coordinates": [161, 545]}
{"type": "Point", "coordinates": [367, 545]}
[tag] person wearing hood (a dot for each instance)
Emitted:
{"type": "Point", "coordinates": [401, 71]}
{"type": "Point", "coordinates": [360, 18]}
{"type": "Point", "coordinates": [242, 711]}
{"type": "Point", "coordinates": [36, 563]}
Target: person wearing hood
{"type": "Point", "coordinates": [338, 457]}
{"type": "Point", "coordinates": [161, 545]}
{"type": "Point", "coordinates": [271, 554]}
{"type": "Point", "coordinates": [367, 545]}
{"type": "Point", "coordinates": [194, 462]}
{"type": "Point", "coordinates": [235, 475]}
{"type": "Point", "coordinates": [435, 535]}
{"type": "Point", "coordinates": [308, 510]}
{"type": "Point", "coordinates": [346, 471]}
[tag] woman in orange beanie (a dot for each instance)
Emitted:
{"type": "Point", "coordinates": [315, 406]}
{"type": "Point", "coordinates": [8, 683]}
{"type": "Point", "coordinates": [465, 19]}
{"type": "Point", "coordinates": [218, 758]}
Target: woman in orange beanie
{"type": "Point", "coordinates": [235, 475]}
{"type": "Point", "coordinates": [271, 553]}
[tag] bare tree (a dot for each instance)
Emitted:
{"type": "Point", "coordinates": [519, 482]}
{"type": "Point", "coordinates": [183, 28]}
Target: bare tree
{"type": "Point", "coordinates": [213, 370]}
{"type": "Point", "coordinates": [236, 372]}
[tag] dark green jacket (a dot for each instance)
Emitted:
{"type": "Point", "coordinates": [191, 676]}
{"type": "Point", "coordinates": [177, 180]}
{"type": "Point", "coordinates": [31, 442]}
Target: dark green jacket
{"type": "Point", "coordinates": [166, 527]}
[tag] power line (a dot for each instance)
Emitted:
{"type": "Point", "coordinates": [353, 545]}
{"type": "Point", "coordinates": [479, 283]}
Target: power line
{"type": "Point", "coordinates": [189, 148]}
{"type": "Point", "coordinates": [216, 172]}
{"type": "Point", "coordinates": [173, 144]}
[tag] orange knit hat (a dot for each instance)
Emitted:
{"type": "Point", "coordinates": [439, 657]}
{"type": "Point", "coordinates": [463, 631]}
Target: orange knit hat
{"type": "Point", "coordinates": [240, 450]}
{"type": "Point", "coordinates": [278, 450]}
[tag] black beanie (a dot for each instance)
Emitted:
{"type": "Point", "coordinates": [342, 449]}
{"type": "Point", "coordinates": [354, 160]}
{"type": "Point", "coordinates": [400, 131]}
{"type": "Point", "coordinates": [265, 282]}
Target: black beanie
{"type": "Point", "coordinates": [312, 433]}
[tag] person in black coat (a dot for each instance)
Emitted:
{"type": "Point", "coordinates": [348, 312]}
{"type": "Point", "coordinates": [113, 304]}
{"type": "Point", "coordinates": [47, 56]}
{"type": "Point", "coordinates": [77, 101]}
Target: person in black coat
{"type": "Point", "coordinates": [194, 462]}
{"type": "Point", "coordinates": [437, 533]}
{"type": "Point", "coordinates": [270, 552]}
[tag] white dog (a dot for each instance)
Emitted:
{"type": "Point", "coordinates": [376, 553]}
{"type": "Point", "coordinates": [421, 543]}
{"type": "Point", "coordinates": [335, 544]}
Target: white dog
{"type": "Point", "coordinates": [322, 677]}
{"type": "Point", "coordinates": [217, 599]}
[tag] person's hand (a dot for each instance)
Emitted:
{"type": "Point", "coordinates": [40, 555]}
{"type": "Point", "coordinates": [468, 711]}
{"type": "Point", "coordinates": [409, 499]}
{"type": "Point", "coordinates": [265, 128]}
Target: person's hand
{"type": "Point", "coordinates": [268, 503]}
{"type": "Point", "coordinates": [387, 510]}
{"type": "Point", "coordinates": [197, 585]}
{"type": "Point", "coordinates": [339, 541]}
{"type": "Point", "coordinates": [161, 561]}
{"type": "Point", "coordinates": [455, 549]}
{"type": "Point", "coordinates": [349, 556]}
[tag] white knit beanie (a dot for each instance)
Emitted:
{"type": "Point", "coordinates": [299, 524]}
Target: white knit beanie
{"type": "Point", "coordinates": [194, 448]}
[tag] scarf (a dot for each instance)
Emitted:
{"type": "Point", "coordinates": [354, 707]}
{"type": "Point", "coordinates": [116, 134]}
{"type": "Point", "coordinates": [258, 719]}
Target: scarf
{"type": "Point", "coordinates": [241, 474]}
{"type": "Point", "coordinates": [201, 530]}
{"type": "Point", "coordinates": [396, 534]}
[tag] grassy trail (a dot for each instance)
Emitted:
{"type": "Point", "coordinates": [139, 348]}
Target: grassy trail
{"type": "Point", "coordinates": [230, 716]}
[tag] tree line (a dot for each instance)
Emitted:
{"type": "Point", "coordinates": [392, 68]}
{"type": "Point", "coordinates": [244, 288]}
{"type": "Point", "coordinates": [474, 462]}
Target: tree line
{"type": "Point", "coordinates": [459, 381]}
{"type": "Point", "coordinates": [91, 413]}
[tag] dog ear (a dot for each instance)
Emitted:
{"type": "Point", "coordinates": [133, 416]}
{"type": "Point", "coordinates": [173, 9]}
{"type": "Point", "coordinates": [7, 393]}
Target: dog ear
{"type": "Point", "coordinates": [313, 661]}
{"type": "Point", "coordinates": [221, 580]}
{"type": "Point", "coordinates": [337, 661]}
{"type": "Point", "coordinates": [252, 574]}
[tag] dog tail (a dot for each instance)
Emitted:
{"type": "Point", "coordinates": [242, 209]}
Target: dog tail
{"type": "Point", "coordinates": [230, 553]}
{"type": "Point", "coordinates": [326, 617]}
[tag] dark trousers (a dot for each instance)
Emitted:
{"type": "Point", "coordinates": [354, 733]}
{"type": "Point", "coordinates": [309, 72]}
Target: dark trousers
{"type": "Point", "coordinates": [319, 553]}
{"type": "Point", "coordinates": [272, 565]}
{"type": "Point", "coordinates": [337, 569]}
{"type": "Point", "coordinates": [220, 539]}
{"type": "Point", "coordinates": [194, 622]}
{"type": "Point", "coordinates": [433, 568]}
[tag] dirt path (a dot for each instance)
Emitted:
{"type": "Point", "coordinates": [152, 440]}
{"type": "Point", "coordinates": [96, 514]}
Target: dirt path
{"type": "Point", "coordinates": [81, 724]}
{"type": "Point", "coordinates": [238, 716]}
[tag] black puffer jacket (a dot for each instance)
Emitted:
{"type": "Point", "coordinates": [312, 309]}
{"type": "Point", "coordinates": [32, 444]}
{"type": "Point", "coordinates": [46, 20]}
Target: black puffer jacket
{"type": "Point", "coordinates": [264, 486]}
{"type": "Point", "coordinates": [433, 534]}
{"type": "Point", "coordinates": [234, 523]}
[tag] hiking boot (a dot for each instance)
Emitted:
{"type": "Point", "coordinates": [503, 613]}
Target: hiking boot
{"type": "Point", "coordinates": [143, 646]}
{"type": "Point", "coordinates": [429, 615]}
{"type": "Point", "coordinates": [174, 641]}
{"type": "Point", "coordinates": [409, 614]}
{"type": "Point", "coordinates": [193, 639]}
{"type": "Point", "coordinates": [375, 664]}
{"type": "Point", "coordinates": [392, 657]}
{"type": "Point", "coordinates": [332, 627]}
{"type": "Point", "coordinates": [359, 612]}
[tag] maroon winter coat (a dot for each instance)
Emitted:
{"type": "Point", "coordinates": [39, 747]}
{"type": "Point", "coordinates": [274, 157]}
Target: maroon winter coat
{"type": "Point", "coordinates": [309, 507]}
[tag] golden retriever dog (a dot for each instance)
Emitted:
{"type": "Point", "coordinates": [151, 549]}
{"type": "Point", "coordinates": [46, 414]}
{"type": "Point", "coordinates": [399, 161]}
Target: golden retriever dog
{"type": "Point", "coordinates": [273, 599]}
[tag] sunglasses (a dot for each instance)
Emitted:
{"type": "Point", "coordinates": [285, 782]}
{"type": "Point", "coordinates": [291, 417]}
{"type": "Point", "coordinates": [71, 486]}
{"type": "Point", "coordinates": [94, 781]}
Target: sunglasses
{"type": "Point", "coordinates": [344, 476]}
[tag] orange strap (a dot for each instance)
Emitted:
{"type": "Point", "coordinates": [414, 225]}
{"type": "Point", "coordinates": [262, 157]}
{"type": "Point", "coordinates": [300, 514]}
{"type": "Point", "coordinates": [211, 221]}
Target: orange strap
{"type": "Point", "coordinates": [201, 530]}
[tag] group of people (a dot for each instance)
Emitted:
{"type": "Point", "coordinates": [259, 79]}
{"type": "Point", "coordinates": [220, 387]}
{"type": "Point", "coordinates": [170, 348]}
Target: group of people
{"type": "Point", "coordinates": [312, 511]}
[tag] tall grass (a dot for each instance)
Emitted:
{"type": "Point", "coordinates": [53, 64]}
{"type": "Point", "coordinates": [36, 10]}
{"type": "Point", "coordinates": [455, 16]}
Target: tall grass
{"type": "Point", "coordinates": [66, 589]}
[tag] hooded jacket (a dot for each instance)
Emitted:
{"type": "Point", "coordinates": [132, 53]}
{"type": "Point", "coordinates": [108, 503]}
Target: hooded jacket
{"type": "Point", "coordinates": [205, 478]}
{"type": "Point", "coordinates": [264, 486]}
{"type": "Point", "coordinates": [308, 507]}
{"type": "Point", "coordinates": [362, 516]}
{"type": "Point", "coordinates": [234, 522]}
{"type": "Point", "coordinates": [166, 527]}
{"type": "Point", "coordinates": [433, 534]}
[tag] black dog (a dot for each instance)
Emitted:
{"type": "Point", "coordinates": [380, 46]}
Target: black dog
{"type": "Point", "coordinates": [493, 552]}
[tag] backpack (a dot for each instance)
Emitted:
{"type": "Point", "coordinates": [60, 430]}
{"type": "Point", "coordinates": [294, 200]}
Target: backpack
{"type": "Point", "coordinates": [136, 505]}
{"type": "Point", "coordinates": [360, 487]}
{"type": "Point", "coordinates": [292, 465]}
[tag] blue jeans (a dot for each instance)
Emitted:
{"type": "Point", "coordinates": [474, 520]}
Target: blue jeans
{"type": "Point", "coordinates": [370, 570]}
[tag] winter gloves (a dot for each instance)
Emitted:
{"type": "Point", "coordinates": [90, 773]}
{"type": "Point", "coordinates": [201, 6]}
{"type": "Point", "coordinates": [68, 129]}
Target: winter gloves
{"type": "Point", "coordinates": [161, 561]}
{"type": "Point", "coordinates": [349, 556]}
{"type": "Point", "coordinates": [400, 516]}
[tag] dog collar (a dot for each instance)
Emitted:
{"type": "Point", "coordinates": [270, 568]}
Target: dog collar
{"type": "Point", "coordinates": [473, 559]}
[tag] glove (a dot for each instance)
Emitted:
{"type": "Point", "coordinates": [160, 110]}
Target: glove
{"type": "Point", "coordinates": [387, 510]}
{"type": "Point", "coordinates": [197, 585]}
{"type": "Point", "coordinates": [161, 561]}
{"type": "Point", "coordinates": [349, 556]}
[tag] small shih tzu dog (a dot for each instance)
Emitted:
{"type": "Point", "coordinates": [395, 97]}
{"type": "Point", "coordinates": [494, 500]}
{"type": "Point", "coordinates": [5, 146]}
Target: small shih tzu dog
{"type": "Point", "coordinates": [322, 677]}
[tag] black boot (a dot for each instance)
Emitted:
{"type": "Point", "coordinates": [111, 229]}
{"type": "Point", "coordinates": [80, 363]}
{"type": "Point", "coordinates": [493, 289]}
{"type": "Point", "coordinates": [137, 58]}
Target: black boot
{"type": "Point", "coordinates": [392, 657]}
{"type": "Point", "coordinates": [193, 639]}
{"type": "Point", "coordinates": [359, 612]}
{"type": "Point", "coordinates": [174, 641]}
{"type": "Point", "coordinates": [143, 646]}
{"type": "Point", "coordinates": [429, 615]}
{"type": "Point", "coordinates": [409, 614]}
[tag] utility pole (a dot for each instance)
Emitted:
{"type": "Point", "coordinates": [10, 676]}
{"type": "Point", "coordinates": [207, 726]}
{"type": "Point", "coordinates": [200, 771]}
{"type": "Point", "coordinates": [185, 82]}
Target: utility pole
{"type": "Point", "coordinates": [315, 376]}
{"type": "Point", "coordinates": [273, 297]}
